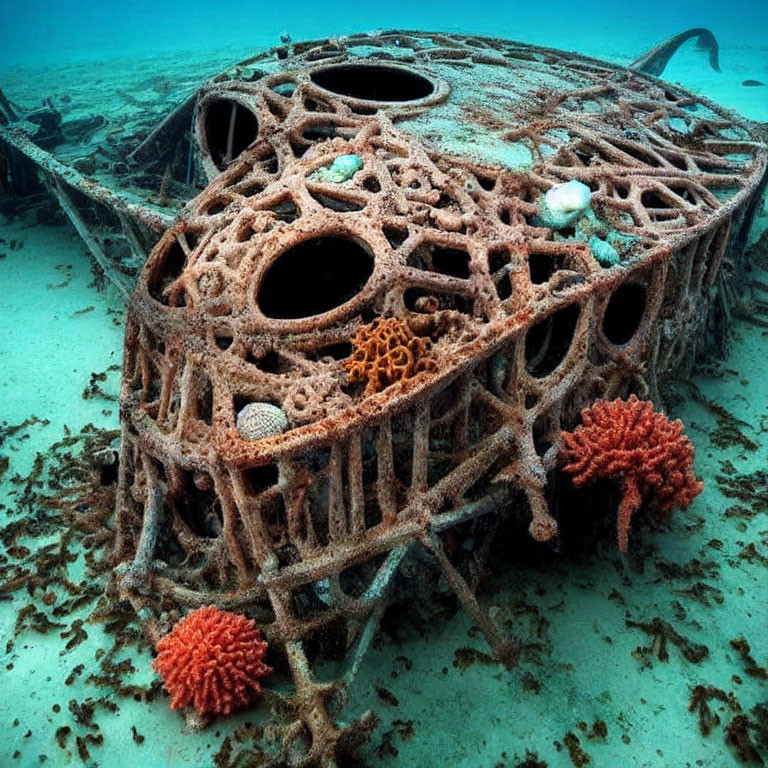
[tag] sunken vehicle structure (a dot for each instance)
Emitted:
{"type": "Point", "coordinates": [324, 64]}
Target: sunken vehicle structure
{"type": "Point", "coordinates": [415, 259]}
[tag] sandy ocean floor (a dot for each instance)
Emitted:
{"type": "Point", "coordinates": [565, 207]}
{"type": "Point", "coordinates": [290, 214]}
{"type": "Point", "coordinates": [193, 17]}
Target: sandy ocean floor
{"type": "Point", "coordinates": [616, 645]}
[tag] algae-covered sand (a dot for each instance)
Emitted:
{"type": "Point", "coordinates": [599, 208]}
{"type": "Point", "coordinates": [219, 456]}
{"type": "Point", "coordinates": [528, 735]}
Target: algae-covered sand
{"type": "Point", "coordinates": [652, 659]}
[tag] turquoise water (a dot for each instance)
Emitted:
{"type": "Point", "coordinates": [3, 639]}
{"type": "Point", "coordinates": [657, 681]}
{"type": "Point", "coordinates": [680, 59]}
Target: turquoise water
{"type": "Point", "coordinates": [40, 31]}
{"type": "Point", "coordinates": [616, 646]}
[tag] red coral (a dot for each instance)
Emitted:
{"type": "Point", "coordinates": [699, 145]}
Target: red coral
{"type": "Point", "coordinates": [212, 659]}
{"type": "Point", "coordinates": [645, 452]}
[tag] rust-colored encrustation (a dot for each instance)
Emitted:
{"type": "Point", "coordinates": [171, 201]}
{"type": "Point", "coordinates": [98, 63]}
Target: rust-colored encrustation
{"type": "Point", "coordinates": [387, 351]}
{"type": "Point", "coordinates": [352, 220]}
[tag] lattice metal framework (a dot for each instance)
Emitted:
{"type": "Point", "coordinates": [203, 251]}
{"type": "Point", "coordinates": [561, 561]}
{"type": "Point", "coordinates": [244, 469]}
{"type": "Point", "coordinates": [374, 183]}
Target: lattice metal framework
{"type": "Point", "coordinates": [256, 292]}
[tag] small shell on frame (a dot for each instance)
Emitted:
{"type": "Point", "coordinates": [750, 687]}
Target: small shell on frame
{"type": "Point", "coordinates": [258, 420]}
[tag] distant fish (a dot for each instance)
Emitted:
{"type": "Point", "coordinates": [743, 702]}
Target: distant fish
{"type": "Point", "coordinates": [655, 61]}
{"type": "Point", "coordinates": [752, 83]}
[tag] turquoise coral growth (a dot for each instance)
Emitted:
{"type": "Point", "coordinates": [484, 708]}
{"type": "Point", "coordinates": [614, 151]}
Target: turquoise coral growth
{"type": "Point", "coordinates": [568, 205]}
{"type": "Point", "coordinates": [605, 254]}
{"type": "Point", "coordinates": [342, 168]}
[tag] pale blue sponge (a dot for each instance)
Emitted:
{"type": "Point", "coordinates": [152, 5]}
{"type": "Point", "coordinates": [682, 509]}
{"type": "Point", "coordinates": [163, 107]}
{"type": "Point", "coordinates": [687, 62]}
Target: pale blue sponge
{"type": "Point", "coordinates": [342, 168]}
{"type": "Point", "coordinates": [603, 251]}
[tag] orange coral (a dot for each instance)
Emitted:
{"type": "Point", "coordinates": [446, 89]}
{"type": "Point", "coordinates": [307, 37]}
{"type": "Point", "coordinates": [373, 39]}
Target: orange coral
{"type": "Point", "coordinates": [212, 659]}
{"type": "Point", "coordinates": [386, 351]}
{"type": "Point", "coordinates": [645, 452]}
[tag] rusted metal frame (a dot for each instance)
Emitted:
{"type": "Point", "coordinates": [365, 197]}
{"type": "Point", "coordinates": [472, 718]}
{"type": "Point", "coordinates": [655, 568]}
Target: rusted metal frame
{"type": "Point", "coordinates": [371, 606]}
{"type": "Point", "coordinates": [156, 221]}
{"type": "Point", "coordinates": [420, 456]}
{"type": "Point", "coordinates": [326, 740]}
{"type": "Point", "coordinates": [230, 513]}
{"type": "Point", "coordinates": [153, 509]}
{"type": "Point", "coordinates": [309, 700]}
{"type": "Point", "coordinates": [385, 478]}
{"type": "Point", "coordinates": [7, 112]}
{"type": "Point", "coordinates": [122, 522]}
{"type": "Point", "coordinates": [129, 226]}
{"type": "Point", "coordinates": [491, 340]}
{"type": "Point", "coordinates": [346, 451]}
{"type": "Point", "coordinates": [356, 656]}
{"type": "Point", "coordinates": [168, 371]}
{"type": "Point", "coordinates": [250, 512]}
{"type": "Point", "coordinates": [495, 499]}
{"type": "Point", "coordinates": [327, 563]}
{"type": "Point", "coordinates": [136, 575]}
{"type": "Point", "coordinates": [356, 520]}
{"type": "Point", "coordinates": [405, 530]}
{"type": "Point", "coordinates": [289, 627]}
{"type": "Point", "coordinates": [294, 483]}
{"type": "Point", "coordinates": [712, 267]}
{"type": "Point", "coordinates": [187, 401]}
{"type": "Point", "coordinates": [160, 445]}
{"type": "Point", "coordinates": [167, 129]}
{"type": "Point", "coordinates": [337, 515]}
{"type": "Point", "coordinates": [377, 590]}
{"type": "Point", "coordinates": [506, 649]}
{"type": "Point", "coordinates": [249, 599]}
{"type": "Point", "coordinates": [643, 347]}
{"type": "Point", "coordinates": [57, 189]}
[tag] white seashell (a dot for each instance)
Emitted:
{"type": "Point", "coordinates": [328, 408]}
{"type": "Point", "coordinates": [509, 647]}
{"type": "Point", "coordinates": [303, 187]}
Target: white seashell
{"type": "Point", "coordinates": [568, 197]}
{"type": "Point", "coordinates": [258, 420]}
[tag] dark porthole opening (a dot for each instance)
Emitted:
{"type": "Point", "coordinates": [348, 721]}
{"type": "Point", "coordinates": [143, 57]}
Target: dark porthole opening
{"type": "Point", "coordinates": [229, 128]}
{"type": "Point", "coordinates": [108, 473]}
{"type": "Point", "coordinates": [446, 261]}
{"type": "Point", "coordinates": [313, 277]}
{"type": "Point", "coordinates": [373, 83]}
{"type": "Point", "coordinates": [205, 400]}
{"type": "Point", "coordinates": [650, 199]}
{"type": "Point", "coordinates": [624, 312]}
{"type": "Point", "coordinates": [198, 510]}
{"type": "Point", "coordinates": [340, 351]}
{"type": "Point", "coordinates": [451, 261]}
{"type": "Point", "coordinates": [320, 132]}
{"type": "Point", "coordinates": [259, 479]}
{"type": "Point", "coordinates": [547, 343]}
{"type": "Point", "coordinates": [542, 434]}
{"type": "Point", "coordinates": [542, 266]}
{"type": "Point", "coordinates": [396, 236]}
{"type": "Point", "coordinates": [224, 341]}
{"type": "Point", "coordinates": [429, 301]}
{"type": "Point", "coordinates": [171, 265]}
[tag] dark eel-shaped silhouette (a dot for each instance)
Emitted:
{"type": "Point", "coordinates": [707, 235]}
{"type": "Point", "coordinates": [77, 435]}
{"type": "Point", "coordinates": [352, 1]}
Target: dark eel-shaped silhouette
{"type": "Point", "coordinates": [655, 61]}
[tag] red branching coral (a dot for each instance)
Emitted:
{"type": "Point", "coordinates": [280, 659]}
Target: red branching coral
{"type": "Point", "coordinates": [386, 351]}
{"type": "Point", "coordinates": [645, 452]}
{"type": "Point", "coordinates": [213, 660]}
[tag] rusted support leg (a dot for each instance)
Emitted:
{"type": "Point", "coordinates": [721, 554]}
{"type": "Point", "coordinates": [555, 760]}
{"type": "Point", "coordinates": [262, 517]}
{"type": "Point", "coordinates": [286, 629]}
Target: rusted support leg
{"type": "Point", "coordinates": [323, 735]}
{"type": "Point", "coordinates": [135, 576]}
{"type": "Point", "coordinates": [505, 649]}
{"type": "Point", "coordinates": [82, 229]}
{"type": "Point", "coordinates": [355, 659]}
{"type": "Point", "coordinates": [138, 248]}
{"type": "Point", "coordinates": [376, 596]}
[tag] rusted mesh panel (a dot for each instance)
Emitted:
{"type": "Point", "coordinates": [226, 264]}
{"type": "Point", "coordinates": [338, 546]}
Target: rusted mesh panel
{"type": "Point", "coordinates": [574, 114]}
{"type": "Point", "coordinates": [257, 293]}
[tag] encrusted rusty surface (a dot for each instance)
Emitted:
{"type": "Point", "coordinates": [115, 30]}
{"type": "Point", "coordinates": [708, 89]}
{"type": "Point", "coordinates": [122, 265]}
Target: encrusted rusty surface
{"type": "Point", "coordinates": [306, 530]}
